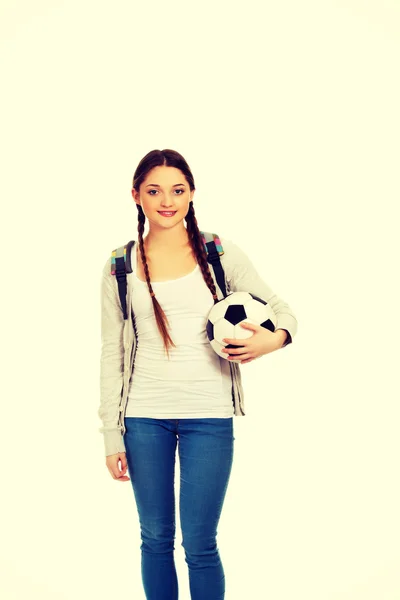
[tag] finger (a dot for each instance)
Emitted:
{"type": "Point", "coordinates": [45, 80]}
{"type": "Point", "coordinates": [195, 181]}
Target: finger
{"type": "Point", "coordinates": [247, 325]}
{"type": "Point", "coordinates": [114, 469]}
{"type": "Point", "coordinates": [124, 463]}
{"type": "Point", "coordinates": [246, 356]}
{"type": "Point", "coordinates": [237, 349]}
{"type": "Point", "coordinates": [235, 341]}
{"type": "Point", "coordinates": [239, 357]}
{"type": "Point", "coordinates": [119, 476]}
{"type": "Point", "coordinates": [251, 326]}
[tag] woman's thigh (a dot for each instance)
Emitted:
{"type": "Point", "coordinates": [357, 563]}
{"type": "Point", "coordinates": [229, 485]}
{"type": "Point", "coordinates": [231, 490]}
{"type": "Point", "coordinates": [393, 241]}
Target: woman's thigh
{"type": "Point", "coordinates": [206, 448]}
{"type": "Point", "coordinates": [150, 452]}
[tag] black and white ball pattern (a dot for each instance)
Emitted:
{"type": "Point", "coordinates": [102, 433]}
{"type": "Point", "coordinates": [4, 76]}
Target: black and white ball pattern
{"type": "Point", "coordinates": [226, 315]}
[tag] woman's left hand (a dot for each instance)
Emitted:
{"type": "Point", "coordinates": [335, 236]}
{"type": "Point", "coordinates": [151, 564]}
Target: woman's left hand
{"type": "Point", "coordinates": [263, 341]}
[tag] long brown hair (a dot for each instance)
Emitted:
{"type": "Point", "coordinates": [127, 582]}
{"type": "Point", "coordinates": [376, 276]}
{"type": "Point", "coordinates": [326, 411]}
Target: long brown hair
{"type": "Point", "coordinates": [170, 158]}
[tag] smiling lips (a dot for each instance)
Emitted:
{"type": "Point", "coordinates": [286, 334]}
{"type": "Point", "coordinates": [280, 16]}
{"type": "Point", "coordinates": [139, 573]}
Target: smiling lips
{"type": "Point", "coordinates": [167, 213]}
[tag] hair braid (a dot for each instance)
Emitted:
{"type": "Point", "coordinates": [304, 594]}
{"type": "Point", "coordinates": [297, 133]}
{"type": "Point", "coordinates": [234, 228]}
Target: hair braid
{"type": "Point", "coordinates": [161, 318]}
{"type": "Point", "coordinates": [197, 244]}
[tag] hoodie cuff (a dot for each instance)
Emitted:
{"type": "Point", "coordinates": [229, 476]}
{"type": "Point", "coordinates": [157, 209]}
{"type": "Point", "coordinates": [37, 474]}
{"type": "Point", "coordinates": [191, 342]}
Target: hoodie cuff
{"type": "Point", "coordinates": [113, 442]}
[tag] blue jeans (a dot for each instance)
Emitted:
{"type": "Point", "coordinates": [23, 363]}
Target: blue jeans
{"type": "Point", "coordinates": [205, 457]}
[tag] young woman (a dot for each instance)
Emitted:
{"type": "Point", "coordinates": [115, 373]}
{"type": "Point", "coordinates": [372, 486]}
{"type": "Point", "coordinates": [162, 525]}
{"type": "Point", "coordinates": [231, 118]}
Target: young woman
{"type": "Point", "coordinates": [163, 386]}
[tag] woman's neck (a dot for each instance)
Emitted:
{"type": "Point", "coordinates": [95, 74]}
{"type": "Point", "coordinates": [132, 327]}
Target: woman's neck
{"type": "Point", "coordinates": [166, 240]}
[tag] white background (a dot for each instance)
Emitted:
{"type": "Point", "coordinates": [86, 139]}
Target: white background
{"type": "Point", "coordinates": [288, 115]}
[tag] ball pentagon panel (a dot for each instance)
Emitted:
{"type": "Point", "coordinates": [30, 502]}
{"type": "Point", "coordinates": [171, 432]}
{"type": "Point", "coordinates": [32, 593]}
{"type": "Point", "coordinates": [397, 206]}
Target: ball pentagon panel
{"type": "Point", "coordinates": [235, 313]}
{"type": "Point", "coordinates": [210, 330]}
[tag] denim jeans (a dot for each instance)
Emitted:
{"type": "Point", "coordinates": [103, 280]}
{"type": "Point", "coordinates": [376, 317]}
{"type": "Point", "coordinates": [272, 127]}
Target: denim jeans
{"type": "Point", "coordinates": [205, 456]}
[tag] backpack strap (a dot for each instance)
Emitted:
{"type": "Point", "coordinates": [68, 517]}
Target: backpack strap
{"type": "Point", "coordinates": [120, 266]}
{"type": "Point", "coordinates": [214, 250]}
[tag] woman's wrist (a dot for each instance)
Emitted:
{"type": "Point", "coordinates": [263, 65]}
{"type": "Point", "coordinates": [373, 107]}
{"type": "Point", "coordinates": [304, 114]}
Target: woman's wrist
{"type": "Point", "coordinates": [281, 336]}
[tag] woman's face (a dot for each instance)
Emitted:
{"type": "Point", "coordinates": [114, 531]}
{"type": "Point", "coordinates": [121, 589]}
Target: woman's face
{"type": "Point", "coordinates": [164, 189]}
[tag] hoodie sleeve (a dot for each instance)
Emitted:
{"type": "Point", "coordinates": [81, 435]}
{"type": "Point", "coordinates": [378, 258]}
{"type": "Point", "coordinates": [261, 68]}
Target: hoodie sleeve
{"type": "Point", "coordinates": [242, 276]}
{"type": "Point", "coordinates": [111, 362]}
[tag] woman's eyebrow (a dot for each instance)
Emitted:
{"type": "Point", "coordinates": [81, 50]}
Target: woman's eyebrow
{"type": "Point", "coordinates": [156, 184]}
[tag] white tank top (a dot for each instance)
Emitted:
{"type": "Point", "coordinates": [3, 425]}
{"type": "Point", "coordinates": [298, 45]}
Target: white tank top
{"type": "Point", "coordinates": [195, 382]}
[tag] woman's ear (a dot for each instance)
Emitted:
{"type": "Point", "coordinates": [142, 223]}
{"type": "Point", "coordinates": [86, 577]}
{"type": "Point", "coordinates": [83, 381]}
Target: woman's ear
{"type": "Point", "coordinates": [135, 196]}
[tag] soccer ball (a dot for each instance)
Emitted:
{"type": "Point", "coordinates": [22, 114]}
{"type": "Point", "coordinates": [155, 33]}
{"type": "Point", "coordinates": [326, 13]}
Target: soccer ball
{"type": "Point", "coordinates": [226, 315]}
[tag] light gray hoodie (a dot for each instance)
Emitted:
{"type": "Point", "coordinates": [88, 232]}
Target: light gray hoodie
{"type": "Point", "coordinates": [119, 338]}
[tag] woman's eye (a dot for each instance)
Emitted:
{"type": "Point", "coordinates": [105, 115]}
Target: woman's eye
{"type": "Point", "coordinates": [178, 190]}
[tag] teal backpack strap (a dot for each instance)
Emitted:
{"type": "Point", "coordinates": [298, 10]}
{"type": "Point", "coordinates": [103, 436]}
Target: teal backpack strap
{"type": "Point", "coordinates": [120, 266]}
{"type": "Point", "coordinates": [214, 250]}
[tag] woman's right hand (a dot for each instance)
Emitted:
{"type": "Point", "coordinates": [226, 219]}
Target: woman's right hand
{"type": "Point", "coordinates": [112, 462]}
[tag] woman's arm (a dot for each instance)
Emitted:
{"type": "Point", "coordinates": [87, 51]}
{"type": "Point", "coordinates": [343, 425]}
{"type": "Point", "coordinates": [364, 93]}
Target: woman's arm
{"type": "Point", "coordinates": [111, 362]}
{"type": "Point", "coordinates": [243, 277]}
